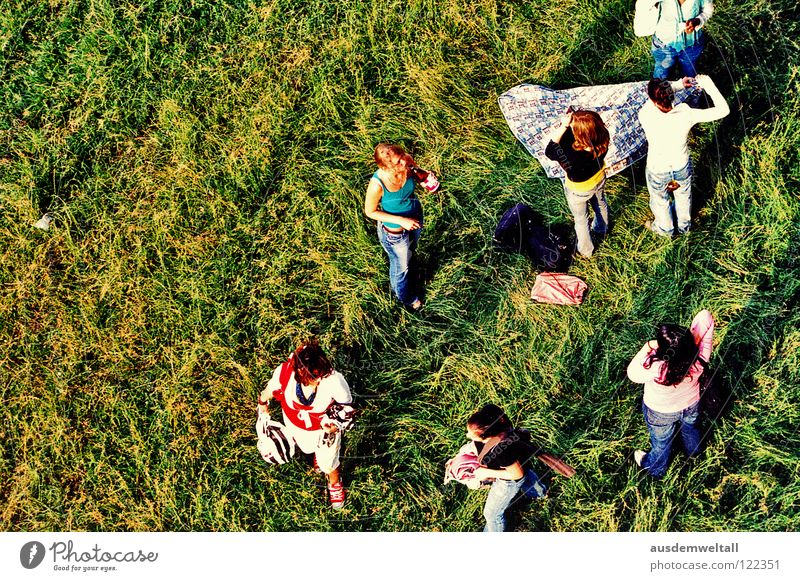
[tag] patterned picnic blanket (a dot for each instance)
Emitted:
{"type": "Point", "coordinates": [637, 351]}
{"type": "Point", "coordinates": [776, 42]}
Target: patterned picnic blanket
{"type": "Point", "coordinates": [531, 110]}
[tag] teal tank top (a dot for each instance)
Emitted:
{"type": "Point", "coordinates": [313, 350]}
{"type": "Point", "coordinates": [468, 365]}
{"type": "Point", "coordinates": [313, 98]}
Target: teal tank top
{"type": "Point", "coordinates": [403, 202]}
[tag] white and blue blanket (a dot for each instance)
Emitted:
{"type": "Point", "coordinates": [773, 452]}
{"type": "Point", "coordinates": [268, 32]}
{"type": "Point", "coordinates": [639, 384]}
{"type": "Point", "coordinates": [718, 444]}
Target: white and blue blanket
{"type": "Point", "coordinates": [532, 110]}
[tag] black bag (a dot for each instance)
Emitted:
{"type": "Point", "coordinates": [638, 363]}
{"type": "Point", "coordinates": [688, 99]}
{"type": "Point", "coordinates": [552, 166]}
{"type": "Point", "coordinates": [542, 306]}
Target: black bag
{"type": "Point", "coordinates": [714, 397]}
{"type": "Point", "coordinates": [699, 99]}
{"type": "Point", "coordinates": [549, 247]}
{"type": "Point", "coordinates": [512, 231]}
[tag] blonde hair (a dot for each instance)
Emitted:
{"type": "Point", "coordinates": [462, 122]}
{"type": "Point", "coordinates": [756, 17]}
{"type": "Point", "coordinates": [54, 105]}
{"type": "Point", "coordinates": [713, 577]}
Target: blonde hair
{"type": "Point", "coordinates": [384, 152]}
{"type": "Point", "coordinates": [590, 132]}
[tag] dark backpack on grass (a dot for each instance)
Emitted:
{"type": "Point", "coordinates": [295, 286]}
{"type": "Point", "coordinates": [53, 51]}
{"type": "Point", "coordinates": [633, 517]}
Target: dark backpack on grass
{"type": "Point", "coordinates": [549, 247]}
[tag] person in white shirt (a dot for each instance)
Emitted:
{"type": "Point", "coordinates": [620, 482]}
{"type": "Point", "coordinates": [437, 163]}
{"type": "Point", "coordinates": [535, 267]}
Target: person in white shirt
{"type": "Point", "coordinates": [669, 167]}
{"type": "Point", "coordinates": [307, 386]}
{"type": "Point", "coordinates": [677, 29]}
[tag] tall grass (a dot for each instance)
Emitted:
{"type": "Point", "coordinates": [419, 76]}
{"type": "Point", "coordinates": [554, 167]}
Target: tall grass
{"type": "Point", "coordinates": [206, 164]}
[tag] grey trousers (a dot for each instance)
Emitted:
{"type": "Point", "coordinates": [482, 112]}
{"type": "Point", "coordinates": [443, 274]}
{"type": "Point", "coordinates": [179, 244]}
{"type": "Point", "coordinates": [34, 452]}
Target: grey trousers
{"type": "Point", "coordinates": [579, 206]}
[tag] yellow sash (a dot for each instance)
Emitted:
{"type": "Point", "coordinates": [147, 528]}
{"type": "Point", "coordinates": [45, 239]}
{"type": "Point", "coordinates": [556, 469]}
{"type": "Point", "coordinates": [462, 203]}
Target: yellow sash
{"type": "Point", "coordinates": [589, 184]}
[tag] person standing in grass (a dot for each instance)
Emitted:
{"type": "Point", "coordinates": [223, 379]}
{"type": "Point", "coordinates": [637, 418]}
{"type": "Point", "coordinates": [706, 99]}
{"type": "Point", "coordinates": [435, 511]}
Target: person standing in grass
{"type": "Point", "coordinates": [579, 144]}
{"type": "Point", "coordinates": [677, 29]}
{"type": "Point", "coordinates": [307, 387]}
{"type": "Point", "coordinates": [669, 167]}
{"type": "Point", "coordinates": [391, 201]}
{"type": "Point", "coordinates": [503, 456]}
{"type": "Point", "coordinates": [670, 367]}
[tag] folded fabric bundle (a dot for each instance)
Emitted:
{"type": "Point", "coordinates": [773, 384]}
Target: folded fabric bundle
{"type": "Point", "coordinates": [341, 415]}
{"type": "Point", "coordinates": [531, 110]}
{"type": "Point", "coordinates": [556, 288]}
{"type": "Point", "coordinates": [462, 466]}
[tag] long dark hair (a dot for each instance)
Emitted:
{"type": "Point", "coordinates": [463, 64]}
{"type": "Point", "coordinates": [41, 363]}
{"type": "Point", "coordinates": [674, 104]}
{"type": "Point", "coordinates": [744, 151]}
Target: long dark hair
{"type": "Point", "coordinates": [677, 349]}
{"type": "Point", "coordinates": [310, 362]}
{"type": "Point", "coordinates": [489, 421]}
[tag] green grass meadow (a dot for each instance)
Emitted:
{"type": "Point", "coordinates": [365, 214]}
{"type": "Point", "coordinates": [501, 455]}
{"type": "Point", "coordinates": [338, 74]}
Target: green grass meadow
{"type": "Point", "coordinates": [206, 164]}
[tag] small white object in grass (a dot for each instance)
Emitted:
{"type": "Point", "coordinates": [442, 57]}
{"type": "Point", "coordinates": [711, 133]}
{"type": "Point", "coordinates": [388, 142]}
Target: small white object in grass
{"type": "Point", "coordinates": [44, 222]}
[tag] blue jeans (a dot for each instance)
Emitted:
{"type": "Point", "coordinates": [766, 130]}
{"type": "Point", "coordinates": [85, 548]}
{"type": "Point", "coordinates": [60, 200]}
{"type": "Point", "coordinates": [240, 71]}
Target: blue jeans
{"type": "Point", "coordinates": [661, 202]}
{"type": "Point", "coordinates": [503, 492]}
{"type": "Point", "coordinates": [578, 205]}
{"type": "Point", "coordinates": [666, 56]}
{"type": "Point", "coordinates": [400, 248]}
{"type": "Point", "coordinates": [662, 431]}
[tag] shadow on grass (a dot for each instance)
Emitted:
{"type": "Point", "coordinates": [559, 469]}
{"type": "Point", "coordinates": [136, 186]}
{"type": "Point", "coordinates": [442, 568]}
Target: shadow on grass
{"type": "Point", "coordinates": [595, 44]}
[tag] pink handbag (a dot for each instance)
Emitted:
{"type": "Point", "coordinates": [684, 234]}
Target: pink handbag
{"type": "Point", "coordinates": [558, 289]}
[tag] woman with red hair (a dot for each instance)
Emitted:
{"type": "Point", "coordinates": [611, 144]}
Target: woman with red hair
{"type": "Point", "coordinates": [391, 201]}
{"type": "Point", "coordinates": [579, 144]}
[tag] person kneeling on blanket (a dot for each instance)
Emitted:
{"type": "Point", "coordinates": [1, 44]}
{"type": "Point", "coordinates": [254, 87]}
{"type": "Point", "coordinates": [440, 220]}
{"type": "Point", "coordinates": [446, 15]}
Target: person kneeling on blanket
{"type": "Point", "coordinates": [315, 401]}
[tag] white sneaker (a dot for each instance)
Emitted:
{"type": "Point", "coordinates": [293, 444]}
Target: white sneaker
{"type": "Point", "coordinates": [638, 456]}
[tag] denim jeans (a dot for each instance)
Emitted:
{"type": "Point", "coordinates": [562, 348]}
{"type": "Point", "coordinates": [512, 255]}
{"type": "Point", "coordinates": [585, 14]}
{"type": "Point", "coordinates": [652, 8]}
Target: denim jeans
{"type": "Point", "coordinates": [400, 248]}
{"type": "Point", "coordinates": [578, 205]}
{"type": "Point", "coordinates": [503, 492]}
{"type": "Point", "coordinates": [662, 431]}
{"type": "Point", "coordinates": [665, 57]}
{"type": "Point", "coordinates": [661, 202]}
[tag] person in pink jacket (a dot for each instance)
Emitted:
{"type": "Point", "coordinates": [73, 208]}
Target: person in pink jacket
{"type": "Point", "coordinates": [670, 367]}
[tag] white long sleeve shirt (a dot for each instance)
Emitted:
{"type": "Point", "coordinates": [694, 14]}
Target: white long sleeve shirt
{"type": "Point", "coordinates": [670, 24]}
{"type": "Point", "coordinates": [668, 133]}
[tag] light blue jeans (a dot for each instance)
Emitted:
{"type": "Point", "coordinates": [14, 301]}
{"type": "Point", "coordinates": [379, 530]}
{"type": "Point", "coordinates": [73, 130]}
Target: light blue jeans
{"type": "Point", "coordinates": [579, 206]}
{"type": "Point", "coordinates": [662, 432]}
{"type": "Point", "coordinates": [665, 57]}
{"type": "Point", "coordinates": [400, 248]}
{"type": "Point", "coordinates": [503, 492]}
{"type": "Point", "coordinates": [667, 212]}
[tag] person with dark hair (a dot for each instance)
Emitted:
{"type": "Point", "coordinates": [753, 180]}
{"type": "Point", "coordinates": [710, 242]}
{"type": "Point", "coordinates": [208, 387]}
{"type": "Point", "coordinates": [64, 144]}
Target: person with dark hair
{"type": "Point", "coordinates": [670, 367]}
{"type": "Point", "coordinates": [308, 389]}
{"type": "Point", "coordinates": [579, 144]}
{"type": "Point", "coordinates": [503, 456]}
{"type": "Point", "coordinates": [677, 29]}
{"type": "Point", "coordinates": [669, 167]}
{"type": "Point", "coordinates": [391, 201]}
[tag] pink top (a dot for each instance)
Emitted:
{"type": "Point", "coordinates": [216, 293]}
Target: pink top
{"type": "Point", "coordinates": [673, 398]}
